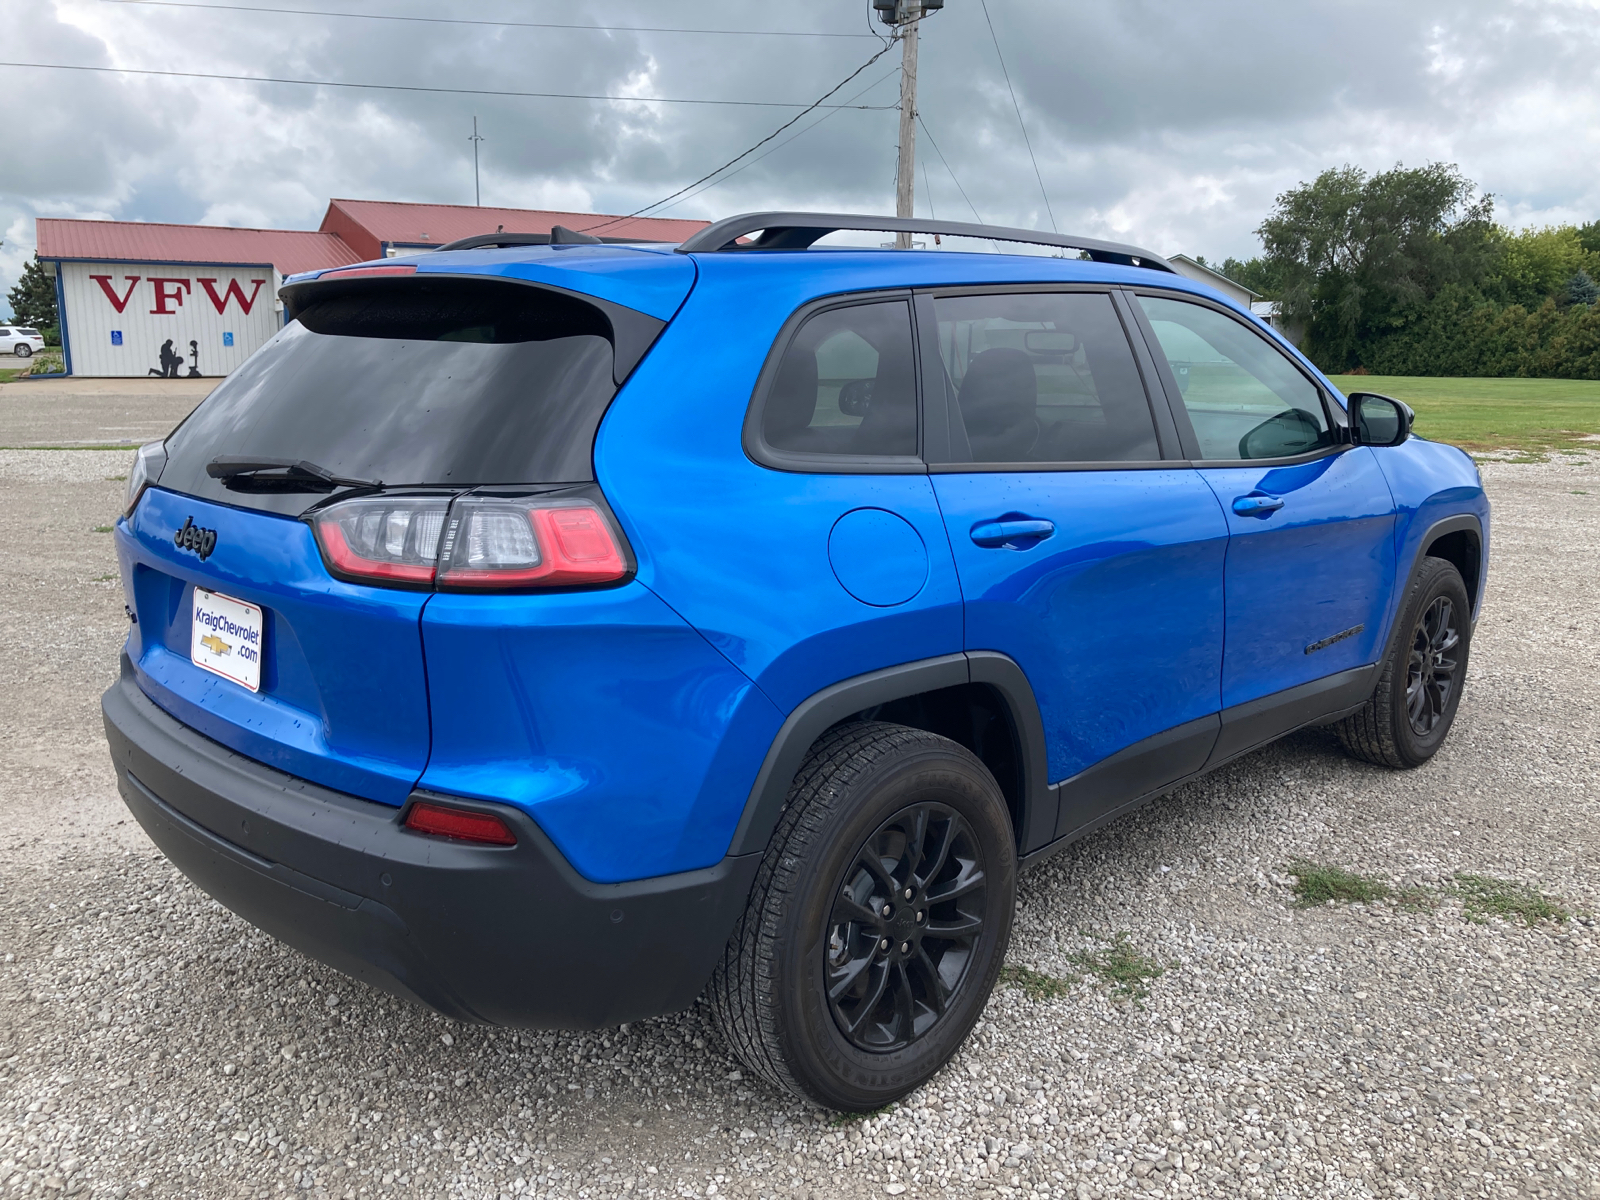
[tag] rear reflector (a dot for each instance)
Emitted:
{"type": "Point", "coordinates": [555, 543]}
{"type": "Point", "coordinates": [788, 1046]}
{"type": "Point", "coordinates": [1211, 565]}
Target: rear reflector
{"type": "Point", "coordinates": [459, 823]}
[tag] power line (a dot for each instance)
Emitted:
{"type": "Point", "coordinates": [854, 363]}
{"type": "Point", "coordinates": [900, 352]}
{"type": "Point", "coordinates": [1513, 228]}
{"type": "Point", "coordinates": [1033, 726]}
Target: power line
{"type": "Point", "coordinates": [949, 168]}
{"type": "Point", "coordinates": [1025, 140]}
{"type": "Point", "coordinates": [444, 91]}
{"type": "Point", "coordinates": [310, 12]}
{"type": "Point", "coordinates": [746, 153]}
{"type": "Point", "coordinates": [800, 133]}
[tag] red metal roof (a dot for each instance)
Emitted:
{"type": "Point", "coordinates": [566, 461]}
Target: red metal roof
{"type": "Point", "coordinates": [367, 224]}
{"type": "Point", "coordinates": [290, 250]}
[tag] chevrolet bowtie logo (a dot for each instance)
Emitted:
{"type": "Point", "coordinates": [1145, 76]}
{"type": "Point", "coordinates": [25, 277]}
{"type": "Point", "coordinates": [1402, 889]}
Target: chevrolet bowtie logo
{"type": "Point", "coordinates": [215, 644]}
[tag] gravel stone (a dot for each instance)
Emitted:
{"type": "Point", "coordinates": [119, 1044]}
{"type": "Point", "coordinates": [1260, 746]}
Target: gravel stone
{"type": "Point", "coordinates": [152, 1044]}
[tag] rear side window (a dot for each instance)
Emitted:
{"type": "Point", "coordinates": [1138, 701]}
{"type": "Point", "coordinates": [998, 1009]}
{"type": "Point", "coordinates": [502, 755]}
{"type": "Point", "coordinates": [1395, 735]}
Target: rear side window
{"type": "Point", "coordinates": [846, 385]}
{"type": "Point", "coordinates": [453, 383]}
{"type": "Point", "coordinates": [1043, 377]}
{"type": "Point", "coordinates": [1244, 397]}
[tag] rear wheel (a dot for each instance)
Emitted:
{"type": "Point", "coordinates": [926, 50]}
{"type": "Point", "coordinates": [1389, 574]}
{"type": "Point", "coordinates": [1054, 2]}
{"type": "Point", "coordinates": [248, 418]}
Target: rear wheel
{"type": "Point", "coordinates": [878, 921]}
{"type": "Point", "coordinates": [1414, 705]}
{"type": "Point", "coordinates": [23, 350]}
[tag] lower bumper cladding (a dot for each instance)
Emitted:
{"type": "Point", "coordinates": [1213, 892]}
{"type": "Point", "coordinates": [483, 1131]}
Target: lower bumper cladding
{"type": "Point", "coordinates": [505, 935]}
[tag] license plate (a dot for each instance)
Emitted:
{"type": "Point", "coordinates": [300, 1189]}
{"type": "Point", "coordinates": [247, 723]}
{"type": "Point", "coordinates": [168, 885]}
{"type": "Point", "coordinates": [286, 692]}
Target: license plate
{"type": "Point", "coordinates": [226, 638]}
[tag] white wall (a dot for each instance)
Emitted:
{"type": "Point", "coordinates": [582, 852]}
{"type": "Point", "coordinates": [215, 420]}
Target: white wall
{"type": "Point", "coordinates": [163, 302]}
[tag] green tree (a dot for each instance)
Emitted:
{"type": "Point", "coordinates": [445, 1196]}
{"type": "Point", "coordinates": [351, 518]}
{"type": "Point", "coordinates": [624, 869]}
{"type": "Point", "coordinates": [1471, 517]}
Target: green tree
{"type": "Point", "coordinates": [1359, 254]}
{"type": "Point", "coordinates": [1260, 275]}
{"type": "Point", "coordinates": [1582, 289]}
{"type": "Point", "coordinates": [1534, 265]}
{"type": "Point", "coordinates": [33, 300]}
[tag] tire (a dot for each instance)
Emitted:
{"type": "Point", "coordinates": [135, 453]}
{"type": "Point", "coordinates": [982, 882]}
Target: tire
{"type": "Point", "coordinates": [23, 350]}
{"type": "Point", "coordinates": [1410, 714]}
{"type": "Point", "coordinates": [815, 916]}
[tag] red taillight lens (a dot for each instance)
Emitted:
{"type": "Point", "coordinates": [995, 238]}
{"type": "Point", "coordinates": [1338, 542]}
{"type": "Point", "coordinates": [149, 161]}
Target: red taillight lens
{"type": "Point", "coordinates": [529, 543]}
{"type": "Point", "coordinates": [459, 823]}
{"type": "Point", "coordinates": [382, 539]}
{"type": "Point", "coordinates": [477, 543]}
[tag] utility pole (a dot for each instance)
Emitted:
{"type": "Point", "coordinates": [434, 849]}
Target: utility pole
{"type": "Point", "coordinates": [477, 192]}
{"type": "Point", "coordinates": [906, 16]}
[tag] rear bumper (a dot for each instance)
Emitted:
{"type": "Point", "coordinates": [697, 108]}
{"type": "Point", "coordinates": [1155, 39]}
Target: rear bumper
{"type": "Point", "coordinates": [502, 935]}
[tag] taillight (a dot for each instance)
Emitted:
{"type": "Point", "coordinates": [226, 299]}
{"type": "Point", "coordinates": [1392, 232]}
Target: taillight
{"type": "Point", "coordinates": [475, 543]}
{"type": "Point", "coordinates": [381, 539]}
{"type": "Point", "coordinates": [461, 823]}
{"type": "Point", "coordinates": [148, 463]}
{"type": "Point", "coordinates": [528, 543]}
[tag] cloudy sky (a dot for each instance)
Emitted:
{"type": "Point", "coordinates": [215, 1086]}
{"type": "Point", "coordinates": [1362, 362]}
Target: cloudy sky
{"type": "Point", "coordinates": [1163, 122]}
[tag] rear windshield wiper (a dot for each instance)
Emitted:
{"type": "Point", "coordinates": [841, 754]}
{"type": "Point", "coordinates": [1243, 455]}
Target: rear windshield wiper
{"type": "Point", "coordinates": [243, 473]}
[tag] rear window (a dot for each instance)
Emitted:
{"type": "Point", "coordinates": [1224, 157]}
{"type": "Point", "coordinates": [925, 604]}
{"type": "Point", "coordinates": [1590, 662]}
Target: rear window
{"type": "Point", "coordinates": [28, 332]}
{"type": "Point", "coordinates": [449, 382]}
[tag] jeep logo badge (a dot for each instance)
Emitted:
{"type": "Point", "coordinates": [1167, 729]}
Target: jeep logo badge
{"type": "Point", "coordinates": [192, 537]}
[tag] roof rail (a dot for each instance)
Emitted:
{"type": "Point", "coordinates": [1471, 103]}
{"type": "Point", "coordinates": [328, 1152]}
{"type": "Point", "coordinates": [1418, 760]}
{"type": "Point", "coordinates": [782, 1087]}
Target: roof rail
{"type": "Point", "coordinates": [798, 230]}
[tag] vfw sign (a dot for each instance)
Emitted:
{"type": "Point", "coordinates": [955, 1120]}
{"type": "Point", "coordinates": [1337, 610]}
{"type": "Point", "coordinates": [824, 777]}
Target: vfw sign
{"type": "Point", "coordinates": [175, 322]}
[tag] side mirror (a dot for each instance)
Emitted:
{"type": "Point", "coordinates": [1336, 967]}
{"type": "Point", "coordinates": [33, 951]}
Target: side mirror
{"type": "Point", "coordinates": [855, 397]}
{"type": "Point", "coordinates": [1379, 420]}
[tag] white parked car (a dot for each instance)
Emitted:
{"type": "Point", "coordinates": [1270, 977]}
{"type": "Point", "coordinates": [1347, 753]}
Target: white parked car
{"type": "Point", "coordinates": [20, 341]}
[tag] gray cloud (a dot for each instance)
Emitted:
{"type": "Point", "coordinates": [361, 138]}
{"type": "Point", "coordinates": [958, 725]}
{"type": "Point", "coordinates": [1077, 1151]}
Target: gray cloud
{"type": "Point", "coordinates": [1167, 123]}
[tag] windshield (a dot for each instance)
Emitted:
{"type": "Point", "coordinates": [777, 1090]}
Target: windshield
{"type": "Point", "coordinates": [447, 383]}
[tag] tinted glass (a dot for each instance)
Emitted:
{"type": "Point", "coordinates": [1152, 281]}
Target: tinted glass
{"type": "Point", "coordinates": [846, 385]}
{"type": "Point", "coordinates": [456, 386]}
{"type": "Point", "coordinates": [1043, 377]}
{"type": "Point", "coordinates": [1243, 395]}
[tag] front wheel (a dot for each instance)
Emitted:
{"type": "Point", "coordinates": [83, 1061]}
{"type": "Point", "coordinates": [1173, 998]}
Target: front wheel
{"type": "Point", "coordinates": [878, 921]}
{"type": "Point", "coordinates": [1411, 712]}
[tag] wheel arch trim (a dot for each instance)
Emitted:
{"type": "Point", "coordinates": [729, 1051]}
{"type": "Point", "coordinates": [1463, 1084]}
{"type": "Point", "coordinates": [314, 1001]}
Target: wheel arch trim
{"type": "Point", "coordinates": [823, 709]}
{"type": "Point", "coordinates": [1459, 523]}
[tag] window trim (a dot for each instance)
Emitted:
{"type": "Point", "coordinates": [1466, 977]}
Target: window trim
{"type": "Point", "coordinates": [798, 462]}
{"type": "Point", "coordinates": [1166, 431]}
{"type": "Point", "coordinates": [1333, 413]}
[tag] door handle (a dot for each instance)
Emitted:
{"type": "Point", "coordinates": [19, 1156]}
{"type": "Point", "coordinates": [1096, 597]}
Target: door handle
{"type": "Point", "coordinates": [1012, 532]}
{"type": "Point", "coordinates": [1257, 504]}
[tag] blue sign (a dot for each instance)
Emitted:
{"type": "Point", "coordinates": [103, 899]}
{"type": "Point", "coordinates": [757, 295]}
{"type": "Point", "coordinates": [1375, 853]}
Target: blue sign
{"type": "Point", "coordinates": [116, 337]}
{"type": "Point", "coordinates": [227, 339]}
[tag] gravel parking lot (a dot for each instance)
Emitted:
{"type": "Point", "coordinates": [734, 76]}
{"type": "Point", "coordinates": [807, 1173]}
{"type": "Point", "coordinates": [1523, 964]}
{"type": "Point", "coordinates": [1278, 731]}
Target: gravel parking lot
{"type": "Point", "coordinates": [152, 1044]}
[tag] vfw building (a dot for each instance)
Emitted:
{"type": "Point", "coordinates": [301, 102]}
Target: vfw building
{"type": "Point", "coordinates": [190, 301]}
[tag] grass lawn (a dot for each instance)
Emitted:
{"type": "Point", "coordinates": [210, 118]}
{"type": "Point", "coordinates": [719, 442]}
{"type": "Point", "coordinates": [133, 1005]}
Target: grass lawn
{"type": "Point", "coordinates": [1534, 416]}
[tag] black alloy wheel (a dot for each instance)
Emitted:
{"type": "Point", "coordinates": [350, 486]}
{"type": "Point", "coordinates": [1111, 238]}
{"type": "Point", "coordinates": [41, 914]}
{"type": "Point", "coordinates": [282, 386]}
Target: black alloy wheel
{"type": "Point", "coordinates": [878, 920]}
{"type": "Point", "coordinates": [1431, 673]}
{"type": "Point", "coordinates": [1423, 673]}
{"type": "Point", "coordinates": [903, 929]}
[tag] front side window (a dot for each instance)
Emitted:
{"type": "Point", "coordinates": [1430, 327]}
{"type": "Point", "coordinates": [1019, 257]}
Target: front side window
{"type": "Point", "coordinates": [846, 385]}
{"type": "Point", "coordinates": [1244, 397]}
{"type": "Point", "coordinates": [1040, 377]}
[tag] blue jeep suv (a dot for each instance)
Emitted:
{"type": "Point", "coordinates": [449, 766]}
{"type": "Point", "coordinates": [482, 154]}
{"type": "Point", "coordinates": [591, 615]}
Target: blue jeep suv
{"type": "Point", "coordinates": [556, 633]}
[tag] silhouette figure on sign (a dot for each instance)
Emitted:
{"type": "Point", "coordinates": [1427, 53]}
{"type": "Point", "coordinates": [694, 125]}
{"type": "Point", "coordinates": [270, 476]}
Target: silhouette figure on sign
{"type": "Point", "coordinates": [170, 362]}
